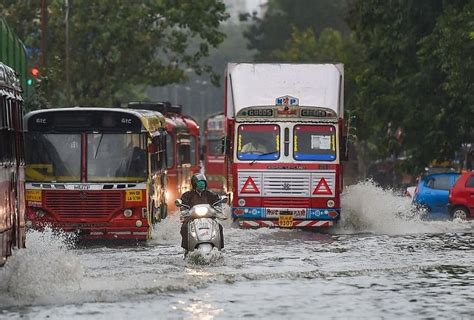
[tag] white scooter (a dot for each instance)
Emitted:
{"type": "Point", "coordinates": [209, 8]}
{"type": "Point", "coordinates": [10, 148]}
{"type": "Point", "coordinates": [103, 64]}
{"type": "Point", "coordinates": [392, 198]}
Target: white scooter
{"type": "Point", "coordinates": [203, 229]}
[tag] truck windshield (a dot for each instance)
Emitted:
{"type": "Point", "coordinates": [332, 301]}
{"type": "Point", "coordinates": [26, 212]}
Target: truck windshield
{"type": "Point", "coordinates": [116, 157]}
{"type": "Point", "coordinates": [314, 143]}
{"type": "Point", "coordinates": [258, 142]}
{"type": "Point", "coordinates": [53, 157]}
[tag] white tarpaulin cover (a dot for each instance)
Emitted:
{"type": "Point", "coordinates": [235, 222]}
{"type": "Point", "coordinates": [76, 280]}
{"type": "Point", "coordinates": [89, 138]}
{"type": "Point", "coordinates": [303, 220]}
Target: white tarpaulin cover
{"type": "Point", "coordinates": [259, 84]}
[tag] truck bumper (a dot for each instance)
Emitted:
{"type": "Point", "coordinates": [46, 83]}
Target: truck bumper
{"type": "Point", "coordinates": [275, 224]}
{"type": "Point", "coordinates": [254, 217]}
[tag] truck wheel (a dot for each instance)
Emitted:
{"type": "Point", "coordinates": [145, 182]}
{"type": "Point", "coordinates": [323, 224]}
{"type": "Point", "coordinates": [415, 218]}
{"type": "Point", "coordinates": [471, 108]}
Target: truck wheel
{"type": "Point", "coordinates": [459, 213]}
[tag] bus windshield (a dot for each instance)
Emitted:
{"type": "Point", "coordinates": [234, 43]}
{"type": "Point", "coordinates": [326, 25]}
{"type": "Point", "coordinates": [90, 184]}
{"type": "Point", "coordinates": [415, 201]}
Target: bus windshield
{"type": "Point", "coordinates": [214, 147]}
{"type": "Point", "coordinates": [258, 142]}
{"type": "Point", "coordinates": [53, 157]}
{"type": "Point", "coordinates": [116, 157]}
{"type": "Point", "coordinates": [314, 143]}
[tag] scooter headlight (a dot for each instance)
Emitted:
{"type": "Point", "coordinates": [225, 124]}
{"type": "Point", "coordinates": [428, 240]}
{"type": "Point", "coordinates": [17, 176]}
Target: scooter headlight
{"type": "Point", "coordinates": [201, 211]}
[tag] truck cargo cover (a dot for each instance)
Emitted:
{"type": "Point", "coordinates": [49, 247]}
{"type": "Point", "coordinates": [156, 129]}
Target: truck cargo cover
{"type": "Point", "coordinates": [259, 84]}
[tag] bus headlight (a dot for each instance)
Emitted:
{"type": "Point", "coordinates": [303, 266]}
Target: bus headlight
{"type": "Point", "coordinates": [241, 202]}
{"type": "Point", "coordinates": [127, 213]}
{"type": "Point", "coordinates": [40, 213]}
{"type": "Point", "coordinates": [330, 203]}
{"type": "Point", "coordinates": [138, 223]}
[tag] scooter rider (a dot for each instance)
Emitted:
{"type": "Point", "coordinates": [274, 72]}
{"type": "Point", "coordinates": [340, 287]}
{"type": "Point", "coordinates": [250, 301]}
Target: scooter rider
{"type": "Point", "coordinates": [198, 195]}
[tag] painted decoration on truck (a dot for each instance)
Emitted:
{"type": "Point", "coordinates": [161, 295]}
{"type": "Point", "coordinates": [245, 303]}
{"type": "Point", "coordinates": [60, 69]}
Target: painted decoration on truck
{"type": "Point", "coordinates": [287, 101]}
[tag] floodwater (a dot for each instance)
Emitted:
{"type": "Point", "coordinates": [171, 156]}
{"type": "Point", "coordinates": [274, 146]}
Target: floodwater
{"type": "Point", "coordinates": [381, 261]}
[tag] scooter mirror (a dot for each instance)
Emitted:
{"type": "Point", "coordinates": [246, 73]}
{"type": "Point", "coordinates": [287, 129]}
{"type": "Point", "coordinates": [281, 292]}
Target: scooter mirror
{"type": "Point", "coordinates": [178, 202]}
{"type": "Point", "coordinates": [224, 199]}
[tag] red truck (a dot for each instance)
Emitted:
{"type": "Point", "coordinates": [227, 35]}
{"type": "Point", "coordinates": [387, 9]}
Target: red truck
{"type": "Point", "coordinates": [285, 143]}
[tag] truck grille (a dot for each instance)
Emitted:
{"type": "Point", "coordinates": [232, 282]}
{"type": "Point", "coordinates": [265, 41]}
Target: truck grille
{"type": "Point", "coordinates": [83, 204]}
{"type": "Point", "coordinates": [288, 184]}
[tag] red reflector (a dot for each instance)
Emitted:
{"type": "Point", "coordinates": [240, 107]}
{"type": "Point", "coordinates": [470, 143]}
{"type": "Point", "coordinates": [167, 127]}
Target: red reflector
{"type": "Point", "coordinates": [238, 211]}
{"type": "Point", "coordinates": [332, 214]}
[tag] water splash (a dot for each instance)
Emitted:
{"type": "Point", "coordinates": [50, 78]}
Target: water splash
{"type": "Point", "coordinates": [167, 231]}
{"type": "Point", "coordinates": [368, 208]}
{"type": "Point", "coordinates": [215, 257]}
{"type": "Point", "coordinates": [44, 268]}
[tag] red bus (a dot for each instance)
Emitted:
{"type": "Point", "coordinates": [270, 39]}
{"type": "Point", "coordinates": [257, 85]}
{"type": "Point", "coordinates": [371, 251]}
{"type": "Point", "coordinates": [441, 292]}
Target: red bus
{"type": "Point", "coordinates": [213, 154]}
{"type": "Point", "coordinates": [98, 171]}
{"type": "Point", "coordinates": [182, 146]}
{"type": "Point", "coordinates": [12, 164]}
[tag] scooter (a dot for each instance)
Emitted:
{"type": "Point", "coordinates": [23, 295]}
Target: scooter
{"type": "Point", "coordinates": [203, 229]}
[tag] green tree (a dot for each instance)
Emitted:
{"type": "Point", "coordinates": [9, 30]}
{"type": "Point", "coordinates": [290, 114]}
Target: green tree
{"type": "Point", "coordinates": [275, 29]}
{"type": "Point", "coordinates": [117, 47]}
{"type": "Point", "coordinates": [418, 79]}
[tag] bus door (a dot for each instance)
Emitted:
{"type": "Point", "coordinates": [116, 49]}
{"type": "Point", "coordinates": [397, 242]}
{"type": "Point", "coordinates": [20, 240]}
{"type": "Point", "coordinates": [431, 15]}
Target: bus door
{"type": "Point", "coordinates": [184, 163]}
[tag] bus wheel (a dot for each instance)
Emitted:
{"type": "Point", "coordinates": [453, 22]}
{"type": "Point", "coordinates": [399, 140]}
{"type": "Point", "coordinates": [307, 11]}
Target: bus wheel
{"type": "Point", "coordinates": [163, 211]}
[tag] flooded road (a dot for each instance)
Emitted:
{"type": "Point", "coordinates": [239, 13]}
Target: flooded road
{"type": "Point", "coordinates": [381, 261]}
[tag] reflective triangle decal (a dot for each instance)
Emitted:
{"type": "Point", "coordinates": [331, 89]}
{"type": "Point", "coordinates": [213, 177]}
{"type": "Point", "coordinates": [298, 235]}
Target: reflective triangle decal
{"type": "Point", "coordinates": [249, 186]}
{"type": "Point", "coordinates": [322, 188]}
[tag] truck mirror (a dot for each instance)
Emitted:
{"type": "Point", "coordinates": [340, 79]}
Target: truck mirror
{"type": "Point", "coordinates": [343, 149]}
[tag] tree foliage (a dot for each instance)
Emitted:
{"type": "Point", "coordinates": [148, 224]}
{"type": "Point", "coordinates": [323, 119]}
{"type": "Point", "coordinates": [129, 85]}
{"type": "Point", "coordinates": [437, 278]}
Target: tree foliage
{"type": "Point", "coordinates": [117, 46]}
{"type": "Point", "coordinates": [409, 69]}
{"type": "Point", "coordinates": [418, 77]}
{"type": "Point", "coordinates": [284, 16]}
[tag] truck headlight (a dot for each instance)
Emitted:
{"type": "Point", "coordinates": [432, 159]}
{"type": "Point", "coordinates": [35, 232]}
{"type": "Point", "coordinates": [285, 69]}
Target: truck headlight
{"type": "Point", "coordinates": [330, 203]}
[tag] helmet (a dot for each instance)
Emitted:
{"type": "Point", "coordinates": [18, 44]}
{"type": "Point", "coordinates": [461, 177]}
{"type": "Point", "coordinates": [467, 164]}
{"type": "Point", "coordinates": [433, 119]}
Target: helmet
{"type": "Point", "coordinates": [198, 177]}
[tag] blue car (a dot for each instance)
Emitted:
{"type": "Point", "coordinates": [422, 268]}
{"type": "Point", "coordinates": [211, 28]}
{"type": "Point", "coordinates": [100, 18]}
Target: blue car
{"type": "Point", "coordinates": [432, 193]}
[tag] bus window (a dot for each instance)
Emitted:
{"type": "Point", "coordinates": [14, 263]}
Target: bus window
{"type": "Point", "coordinates": [116, 157]}
{"type": "Point", "coordinates": [314, 143]}
{"type": "Point", "coordinates": [170, 151]}
{"type": "Point", "coordinates": [162, 152]}
{"type": "Point", "coordinates": [184, 153]}
{"type": "Point", "coordinates": [258, 142]}
{"type": "Point", "coordinates": [53, 157]}
{"type": "Point", "coordinates": [155, 156]}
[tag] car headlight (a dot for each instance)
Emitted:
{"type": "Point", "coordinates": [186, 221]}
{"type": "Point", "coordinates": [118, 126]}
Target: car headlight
{"type": "Point", "coordinates": [201, 211]}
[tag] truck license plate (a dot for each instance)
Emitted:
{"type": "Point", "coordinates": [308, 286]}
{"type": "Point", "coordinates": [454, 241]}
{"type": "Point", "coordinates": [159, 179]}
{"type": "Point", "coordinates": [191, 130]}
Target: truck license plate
{"type": "Point", "coordinates": [285, 221]}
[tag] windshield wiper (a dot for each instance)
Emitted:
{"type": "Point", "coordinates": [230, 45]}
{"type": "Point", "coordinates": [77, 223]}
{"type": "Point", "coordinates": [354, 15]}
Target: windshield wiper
{"type": "Point", "coordinates": [262, 154]}
{"type": "Point", "coordinates": [100, 141]}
